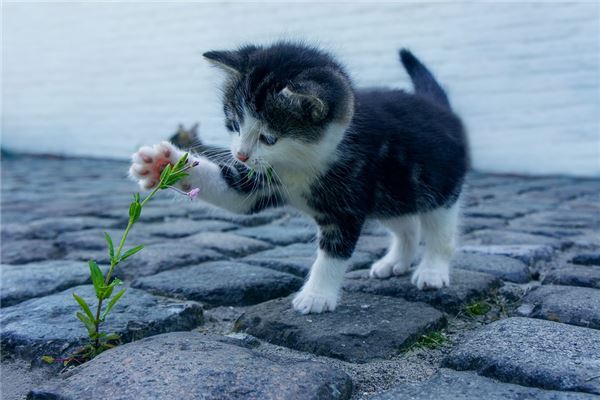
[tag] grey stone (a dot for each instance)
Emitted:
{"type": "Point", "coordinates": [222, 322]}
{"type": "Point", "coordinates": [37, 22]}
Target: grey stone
{"type": "Point", "coordinates": [497, 237]}
{"type": "Point", "coordinates": [505, 211]}
{"type": "Point", "coordinates": [228, 244]}
{"type": "Point", "coordinates": [190, 365]}
{"type": "Point", "coordinates": [568, 304]}
{"type": "Point", "coordinates": [26, 281]}
{"type": "Point", "coordinates": [470, 224]}
{"type": "Point", "coordinates": [178, 228]}
{"type": "Point", "coordinates": [164, 256]}
{"type": "Point", "coordinates": [465, 287]}
{"type": "Point", "coordinates": [279, 234]}
{"type": "Point", "coordinates": [532, 352]}
{"type": "Point", "coordinates": [49, 228]}
{"type": "Point", "coordinates": [574, 275]}
{"type": "Point", "coordinates": [93, 239]}
{"type": "Point", "coordinates": [587, 259]}
{"type": "Point", "coordinates": [297, 259]}
{"type": "Point", "coordinates": [529, 254]}
{"type": "Point", "coordinates": [221, 283]}
{"type": "Point", "coordinates": [562, 219]}
{"type": "Point", "coordinates": [26, 251]}
{"type": "Point", "coordinates": [458, 385]}
{"type": "Point", "coordinates": [506, 268]}
{"type": "Point", "coordinates": [207, 212]}
{"type": "Point", "coordinates": [362, 328]}
{"type": "Point", "coordinates": [375, 245]}
{"type": "Point", "coordinates": [48, 326]}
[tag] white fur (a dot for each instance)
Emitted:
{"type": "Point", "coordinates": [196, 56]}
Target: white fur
{"type": "Point", "coordinates": [321, 291]}
{"type": "Point", "coordinates": [439, 229]}
{"type": "Point", "coordinates": [402, 250]}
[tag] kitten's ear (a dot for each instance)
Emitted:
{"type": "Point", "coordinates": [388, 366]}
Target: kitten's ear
{"type": "Point", "coordinates": [229, 61]}
{"type": "Point", "coordinates": [304, 100]}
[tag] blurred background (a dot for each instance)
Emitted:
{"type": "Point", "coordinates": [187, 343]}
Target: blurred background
{"type": "Point", "coordinates": [101, 79]}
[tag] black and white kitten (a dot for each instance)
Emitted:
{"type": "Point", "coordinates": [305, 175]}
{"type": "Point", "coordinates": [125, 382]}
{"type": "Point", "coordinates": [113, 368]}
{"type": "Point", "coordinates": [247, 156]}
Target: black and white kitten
{"type": "Point", "coordinates": [339, 154]}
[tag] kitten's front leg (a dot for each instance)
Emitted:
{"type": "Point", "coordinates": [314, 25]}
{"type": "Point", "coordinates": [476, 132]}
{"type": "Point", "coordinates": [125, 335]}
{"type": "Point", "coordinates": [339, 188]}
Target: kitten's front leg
{"type": "Point", "coordinates": [208, 176]}
{"type": "Point", "coordinates": [322, 289]}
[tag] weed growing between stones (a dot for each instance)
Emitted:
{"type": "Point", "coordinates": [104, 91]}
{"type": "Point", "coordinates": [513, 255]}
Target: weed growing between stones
{"type": "Point", "coordinates": [478, 308]}
{"type": "Point", "coordinates": [104, 285]}
{"type": "Point", "coordinates": [432, 340]}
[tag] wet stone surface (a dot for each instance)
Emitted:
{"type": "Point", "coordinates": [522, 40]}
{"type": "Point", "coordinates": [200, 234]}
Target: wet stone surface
{"type": "Point", "coordinates": [530, 252]}
{"type": "Point", "coordinates": [362, 328]}
{"type": "Point", "coordinates": [192, 365]}
{"type": "Point", "coordinates": [533, 352]}
{"type": "Point", "coordinates": [465, 287]}
{"type": "Point", "coordinates": [46, 325]}
{"type": "Point", "coordinates": [221, 283]}
{"type": "Point", "coordinates": [567, 304]}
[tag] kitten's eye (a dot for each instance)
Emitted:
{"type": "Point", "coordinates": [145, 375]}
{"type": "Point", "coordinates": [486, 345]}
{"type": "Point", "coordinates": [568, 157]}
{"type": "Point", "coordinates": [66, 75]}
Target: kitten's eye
{"type": "Point", "coordinates": [268, 140]}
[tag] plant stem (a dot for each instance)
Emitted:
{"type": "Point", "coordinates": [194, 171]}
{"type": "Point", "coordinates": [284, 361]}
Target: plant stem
{"type": "Point", "coordinates": [114, 262]}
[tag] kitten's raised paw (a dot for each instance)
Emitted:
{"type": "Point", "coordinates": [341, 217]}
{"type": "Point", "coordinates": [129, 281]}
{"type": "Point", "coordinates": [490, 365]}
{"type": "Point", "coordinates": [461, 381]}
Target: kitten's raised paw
{"type": "Point", "coordinates": [431, 278]}
{"type": "Point", "coordinates": [307, 302]}
{"type": "Point", "coordinates": [148, 163]}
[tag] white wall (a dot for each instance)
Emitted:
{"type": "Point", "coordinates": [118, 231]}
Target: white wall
{"type": "Point", "coordinates": [103, 78]}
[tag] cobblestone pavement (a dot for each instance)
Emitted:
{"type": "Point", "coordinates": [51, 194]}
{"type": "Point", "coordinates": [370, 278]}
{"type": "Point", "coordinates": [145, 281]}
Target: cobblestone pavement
{"type": "Point", "coordinates": [207, 313]}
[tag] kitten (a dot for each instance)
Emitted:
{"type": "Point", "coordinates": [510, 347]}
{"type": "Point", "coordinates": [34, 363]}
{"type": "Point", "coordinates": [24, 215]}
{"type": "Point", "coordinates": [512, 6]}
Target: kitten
{"type": "Point", "coordinates": [339, 154]}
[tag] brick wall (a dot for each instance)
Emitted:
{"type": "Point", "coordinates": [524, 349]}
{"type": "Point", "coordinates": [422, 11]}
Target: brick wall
{"type": "Point", "coordinates": [101, 79]}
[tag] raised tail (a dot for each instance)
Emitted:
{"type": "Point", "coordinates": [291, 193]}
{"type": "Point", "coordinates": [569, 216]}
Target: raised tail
{"type": "Point", "coordinates": [423, 80]}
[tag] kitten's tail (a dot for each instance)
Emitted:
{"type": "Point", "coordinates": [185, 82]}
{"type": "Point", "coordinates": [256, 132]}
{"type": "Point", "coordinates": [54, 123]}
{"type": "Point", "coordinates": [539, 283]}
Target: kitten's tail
{"type": "Point", "coordinates": [423, 80]}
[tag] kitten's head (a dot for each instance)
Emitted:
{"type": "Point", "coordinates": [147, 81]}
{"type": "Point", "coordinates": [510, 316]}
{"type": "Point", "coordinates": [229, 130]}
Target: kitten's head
{"type": "Point", "coordinates": [286, 105]}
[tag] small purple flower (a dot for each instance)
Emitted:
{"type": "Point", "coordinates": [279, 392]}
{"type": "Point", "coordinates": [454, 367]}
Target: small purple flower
{"type": "Point", "coordinates": [192, 194]}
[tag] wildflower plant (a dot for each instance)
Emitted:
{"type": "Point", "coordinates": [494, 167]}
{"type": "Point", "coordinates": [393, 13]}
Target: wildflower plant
{"type": "Point", "coordinates": [105, 284]}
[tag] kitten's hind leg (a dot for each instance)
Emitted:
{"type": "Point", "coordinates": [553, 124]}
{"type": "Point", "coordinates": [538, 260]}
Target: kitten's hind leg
{"type": "Point", "coordinates": [440, 228]}
{"type": "Point", "coordinates": [401, 253]}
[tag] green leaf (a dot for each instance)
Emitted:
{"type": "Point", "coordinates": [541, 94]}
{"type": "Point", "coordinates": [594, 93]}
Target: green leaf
{"type": "Point", "coordinates": [97, 278]}
{"type": "Point", "coordinates": [111, 247]}
{"type": "Point", "coordinates": [107, 290]}
{"type": "Point", "coordinates": [131, 252]}
{"type": "Point", "coordinates": [135, 209]}
{"type": "Point", "coordinates": [48, 359]}
{"type": "Point", "coordinates": [181, 162]}
{"type": "Point", "coordinates": [91, 328]}
{"type": "Point", "coordinates": [166, 172]}
{"type": "Point", "coordinates": [111, 304]}
{"type": "Point", "coordinates": [84, 306]}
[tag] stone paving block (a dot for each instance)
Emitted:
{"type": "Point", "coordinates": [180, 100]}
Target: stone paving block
{"type": "Point", "coordinates": [190, 365]}
{"type": "Point", "coordinates": [470, 224]}
{"type": "Point", "coordinates": [26, 281]}
{"type": "Point", "coordinates": [48, 326]}
{"type": "Point", "coordinates": [498, 237]}
{"type": "Point", "coordinates": [376, 245]}
{"type": "Point", "coordinates": [221, 283]}
{"type": "Point", "coordinates": [208, 212]}
{"type": "Point", "coordinates": [561, 219]}
{"type": "Point", "coordinates": [280, 235]}
{"type": "Point", "coordinates": [178, 228]}
{"type": "Point", "coordinates": [567, 304]}
{"type": "Point", "coordinates": [506, 268]}
{"type": "Point", "coordinates": [459, 385]}
{"type": "Point", "coordinates": [532, 352]}
{"type": "Point", "coordinates": [529, 254]}
{"type": "Point", "coordinates": [465, 287]}
{"type": "Point", "coordinates": [587, 259]}
{"type": "Point", "coordinates": [228, 244]}
{"type": "Point", "coordinates": [93, 239]}
{"type": "Point", "coordinates": [49, 228]}
{"type": "Point", "coordinates": [489, 210]}
{"type": "Point", "coordinates": [26, 251]}
{"type": "Point", "coordinates": [574, 275]}
{"type": "Point", "coordinates": [362, 328]}
{"type": "Point", "coordinates": [300, 266]}
{"type": "Point", "coordinates": [297, 259]}
{"type": "Point", "coordinates": [164, 256]}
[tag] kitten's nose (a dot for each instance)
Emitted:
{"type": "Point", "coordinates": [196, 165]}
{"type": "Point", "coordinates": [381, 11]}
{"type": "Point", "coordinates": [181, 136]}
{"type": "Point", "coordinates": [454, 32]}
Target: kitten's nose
{"type": "Point", "coordinates": [243, 157]}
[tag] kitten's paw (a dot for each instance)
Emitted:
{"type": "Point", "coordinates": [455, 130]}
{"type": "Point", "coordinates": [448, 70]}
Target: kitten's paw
{"type": "Point", "coordinates": [431, 278]}
{"type": "Point", "coordinates": [307, 302]}
{"type": "Point", "coordinates": [148, 163]}
{"type": "Point", "coordinates": [401, 269]}
{"type": "Point", "coordinates": [381, 269]}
